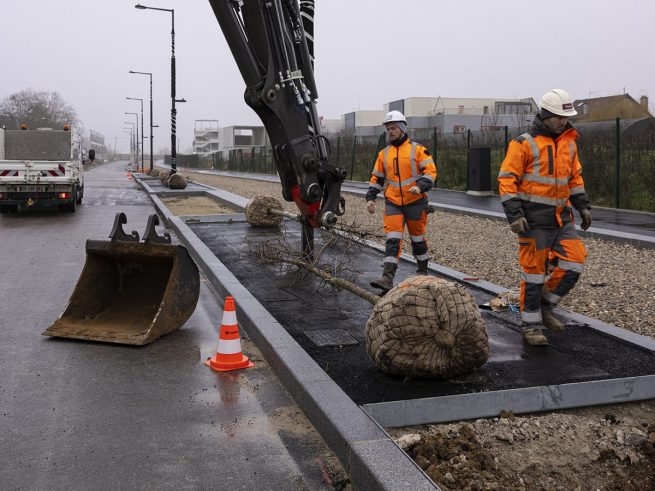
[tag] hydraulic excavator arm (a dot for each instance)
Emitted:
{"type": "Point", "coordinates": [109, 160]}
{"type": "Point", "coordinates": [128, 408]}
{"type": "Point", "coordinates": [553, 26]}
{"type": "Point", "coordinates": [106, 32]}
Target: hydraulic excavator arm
{"type": "Point", "coordinates": [272, 44]}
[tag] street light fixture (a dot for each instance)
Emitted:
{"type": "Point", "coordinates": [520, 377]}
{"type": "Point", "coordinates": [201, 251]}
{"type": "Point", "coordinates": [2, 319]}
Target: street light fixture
{"type": "Point", "coordinates": [151, 126]}
{"type": "Point", "coordinates": [142, 137]}
{"type": "Point", "coordinates": [136, 116]}
{"type": "Point", "coordinates": [173, 99]}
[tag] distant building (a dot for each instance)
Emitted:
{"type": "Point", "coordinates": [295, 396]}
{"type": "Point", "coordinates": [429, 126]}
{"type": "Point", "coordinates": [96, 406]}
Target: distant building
{"type": "Point", "coordinates": [242, 137]}
{"type": "Point", "coordinates": [459, 114]}
{"type": "Point", "coordinates": [363, 123]}
{"type": "Point", "coordinates": [447, 115]}
{"type": "Point", "coordinates": [611, 107]}
{"type": "Point", "coordinates": [206, 136]}
{"type": "Point", "coordinates": [331, 126]}
{"type": "Point", "coordinates": [96, 142]}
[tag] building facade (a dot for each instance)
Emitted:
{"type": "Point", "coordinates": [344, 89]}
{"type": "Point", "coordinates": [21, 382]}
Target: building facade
{"type": "Point", "coordinates": [206, 136]}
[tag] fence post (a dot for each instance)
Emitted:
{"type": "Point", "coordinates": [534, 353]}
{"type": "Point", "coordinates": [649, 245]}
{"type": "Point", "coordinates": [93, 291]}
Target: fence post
{"type": "Point", "coordinates": [506, 128]}
{"type": "Point", "coordinates": [259, 167]}
{"type": "Point", "coordinates": [338, 149]}
{"type": "Point", "coordinates": [618, 163]}
{"type": "Point", "coordinates": [352, 160]}
{"type": "Point", "coordinates": [468, 149]}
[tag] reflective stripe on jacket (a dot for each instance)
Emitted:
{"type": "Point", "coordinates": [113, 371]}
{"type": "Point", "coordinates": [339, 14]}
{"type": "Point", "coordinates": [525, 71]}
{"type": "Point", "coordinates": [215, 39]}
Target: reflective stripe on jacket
{"type": "Point", "coordinates": [399, 168]}
{"type": "Point", "coordinates": [540, 175]}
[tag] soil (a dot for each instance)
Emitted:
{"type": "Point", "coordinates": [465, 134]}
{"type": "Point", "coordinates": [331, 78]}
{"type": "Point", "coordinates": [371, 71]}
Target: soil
{"type": "Point", "coordinates": [195, 205]}
{"type": "Point", "coordinates": [602, 448]}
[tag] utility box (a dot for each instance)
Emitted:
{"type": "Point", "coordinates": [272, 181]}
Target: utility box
{"type": "Point", "coordinates": [479, 171]}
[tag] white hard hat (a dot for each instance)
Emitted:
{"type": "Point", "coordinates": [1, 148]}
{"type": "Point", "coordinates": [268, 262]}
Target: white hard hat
{"type": "Point", "coordinates": [558, 101]}
{"type": "Point", "coordinates": [393, 117]}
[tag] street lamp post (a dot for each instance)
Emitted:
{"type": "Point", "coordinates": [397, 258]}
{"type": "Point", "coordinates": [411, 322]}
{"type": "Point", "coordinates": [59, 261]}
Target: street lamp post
{"type": "Point", "coordinates": [151, 137]}
{"type": "Point", "coordinates": [136, 116]}
{"type": "Point", "coordinates": [173, 99]}
{"type": "Point", "coordinates": [131, 130]}
{"type": "Point", "coordinates": [142, 137]}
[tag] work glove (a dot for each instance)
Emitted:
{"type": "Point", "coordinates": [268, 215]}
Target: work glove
{"type": "Point", "coordinates": [519, 226]}
{"type": "Point", "coordinates": [415, 190]}
{"type": "Point", "coordinates": [370, 207]}
{"type": "Point", "coordinates": [586, 219]}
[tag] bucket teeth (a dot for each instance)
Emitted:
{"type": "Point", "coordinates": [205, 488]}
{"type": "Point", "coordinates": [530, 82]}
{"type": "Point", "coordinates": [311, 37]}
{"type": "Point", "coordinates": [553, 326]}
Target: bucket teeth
{"type": "Point", "coordinates": [117, 232]}
{"type": "Point", "coordinates": [150, 236]}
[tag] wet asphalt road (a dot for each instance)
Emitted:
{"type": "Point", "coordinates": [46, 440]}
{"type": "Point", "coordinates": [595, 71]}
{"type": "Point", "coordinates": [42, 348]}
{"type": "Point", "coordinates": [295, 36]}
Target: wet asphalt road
{"type": "Point", "coordinates": [84, 415]}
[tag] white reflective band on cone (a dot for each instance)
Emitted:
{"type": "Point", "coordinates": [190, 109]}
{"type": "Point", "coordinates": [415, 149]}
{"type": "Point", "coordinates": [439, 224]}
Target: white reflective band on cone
{"type": "Point", "coordinates": [229, 318]}
{"type": "Point", "coordinates": [229, 346]}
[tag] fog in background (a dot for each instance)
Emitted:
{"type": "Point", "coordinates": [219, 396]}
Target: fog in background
{"type": "Point", "coordinates": [368, 52]}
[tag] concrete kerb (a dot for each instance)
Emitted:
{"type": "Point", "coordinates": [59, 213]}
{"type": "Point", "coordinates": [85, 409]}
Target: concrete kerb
{"type": "Point", "coordinates": [370, 456]}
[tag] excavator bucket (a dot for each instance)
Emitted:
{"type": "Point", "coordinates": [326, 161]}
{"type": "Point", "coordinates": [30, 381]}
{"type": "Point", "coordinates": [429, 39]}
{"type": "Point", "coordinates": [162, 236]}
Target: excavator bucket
{"type": "Point", "coordinates": [130, 292]}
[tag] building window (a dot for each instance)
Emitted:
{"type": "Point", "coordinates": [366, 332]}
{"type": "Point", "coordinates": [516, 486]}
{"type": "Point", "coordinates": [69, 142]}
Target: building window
{"type": "Point", "coordinates": [459, 128]}
{"type": "Point", "coordinates": [243, 137]}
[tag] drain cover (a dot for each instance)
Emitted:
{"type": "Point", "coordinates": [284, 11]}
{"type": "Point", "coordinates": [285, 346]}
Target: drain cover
{"type": "Point", "coordinates": [331, 337]}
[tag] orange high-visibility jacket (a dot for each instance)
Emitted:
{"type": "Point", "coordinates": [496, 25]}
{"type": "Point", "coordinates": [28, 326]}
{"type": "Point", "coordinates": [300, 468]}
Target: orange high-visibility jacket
{"type": "Point", "coordinates": [399, 168]}
{"type": "Point", "coordinates": [540, 175]}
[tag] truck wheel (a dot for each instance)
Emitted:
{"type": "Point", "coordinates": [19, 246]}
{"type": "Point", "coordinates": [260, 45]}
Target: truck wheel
{"type": "Point", "coordinates": [80, 195]}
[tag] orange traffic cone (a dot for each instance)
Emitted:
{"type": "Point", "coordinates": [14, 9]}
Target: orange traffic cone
{"type": "Point", "coordinates": [129, 175]}
{"type": "Point", "coordinates": [229, 355]}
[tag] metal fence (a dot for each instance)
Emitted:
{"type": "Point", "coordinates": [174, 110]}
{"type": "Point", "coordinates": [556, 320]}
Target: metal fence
{"type": "Point", "coordinates": [618, 158]}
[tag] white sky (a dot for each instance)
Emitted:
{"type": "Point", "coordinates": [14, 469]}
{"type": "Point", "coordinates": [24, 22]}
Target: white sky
{"type": "Point", "coordinates": [368, 52]}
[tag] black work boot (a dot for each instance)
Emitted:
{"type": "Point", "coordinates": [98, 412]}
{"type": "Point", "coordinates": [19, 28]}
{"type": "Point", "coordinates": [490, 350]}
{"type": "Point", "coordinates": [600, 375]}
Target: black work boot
{"type": "Point", "coordinates": [386, 282]}
{"type": "Point", "coordinates": [422, 267]}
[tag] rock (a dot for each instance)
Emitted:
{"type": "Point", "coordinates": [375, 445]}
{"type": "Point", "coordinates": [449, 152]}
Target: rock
{"type": "Point", "coordinates": [634, 437]}
{"type": "Point", "coordinates": [408, 441]}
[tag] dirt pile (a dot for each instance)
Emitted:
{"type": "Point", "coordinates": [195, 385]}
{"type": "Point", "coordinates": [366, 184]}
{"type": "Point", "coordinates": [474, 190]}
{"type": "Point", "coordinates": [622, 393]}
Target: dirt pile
{"type": "Point", "coordinates": [559, 451]}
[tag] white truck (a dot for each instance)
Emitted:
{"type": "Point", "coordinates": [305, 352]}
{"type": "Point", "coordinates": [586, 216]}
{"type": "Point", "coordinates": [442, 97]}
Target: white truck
{"type": "Point", "coordinates": [40, 168]}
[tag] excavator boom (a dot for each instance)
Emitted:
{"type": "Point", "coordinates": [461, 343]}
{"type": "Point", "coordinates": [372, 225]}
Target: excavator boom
{"type": "Point", "coordinates": [272, 44]}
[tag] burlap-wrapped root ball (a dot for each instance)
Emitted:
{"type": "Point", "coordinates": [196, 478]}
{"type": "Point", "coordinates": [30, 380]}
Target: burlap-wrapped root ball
{"type": "Point", "coordinates": [154, 173]}
{"type": "Point", "coordinates": [256, 213]}
{"type": "Point", "coordinates": [163, 176]}
{"type": "Point", "coordinates": [176, 181]}
{"type": "Point", "coordinates": [427, 327]}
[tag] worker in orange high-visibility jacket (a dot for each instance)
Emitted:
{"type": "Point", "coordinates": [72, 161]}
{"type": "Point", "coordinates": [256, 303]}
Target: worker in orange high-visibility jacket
{"type": "Point", "coordinates": [539, 180]}
{"type": "Point", "coordinates": [405, 171]}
